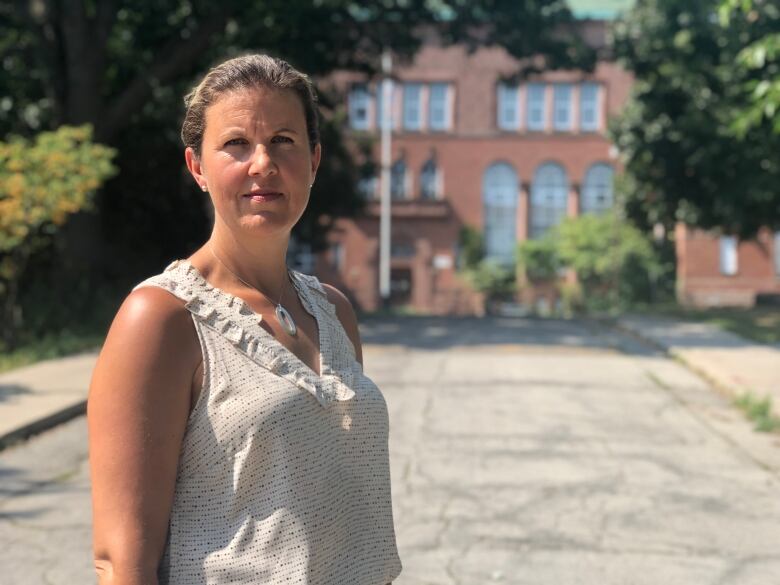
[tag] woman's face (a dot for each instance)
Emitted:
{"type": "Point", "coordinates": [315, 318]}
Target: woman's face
{"type": "Point", "coordinates": [255, 160]}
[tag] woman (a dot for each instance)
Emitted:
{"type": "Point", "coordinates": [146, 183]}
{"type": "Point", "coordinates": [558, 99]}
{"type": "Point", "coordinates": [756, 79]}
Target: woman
{"type": "Point", "coordinates": [233, 435]}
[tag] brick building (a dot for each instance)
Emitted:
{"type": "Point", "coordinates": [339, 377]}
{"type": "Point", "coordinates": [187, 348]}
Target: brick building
{"type": "Point", "coordinates": [723, 271]}
{"type": "Point", "coordinates": [470, 149]}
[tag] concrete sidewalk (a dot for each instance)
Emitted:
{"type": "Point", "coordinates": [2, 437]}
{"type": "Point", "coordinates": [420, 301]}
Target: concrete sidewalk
{"type": "Point", "coordinates": [733, 364]}
{"type": "Point", "coordinates": [40, 396]}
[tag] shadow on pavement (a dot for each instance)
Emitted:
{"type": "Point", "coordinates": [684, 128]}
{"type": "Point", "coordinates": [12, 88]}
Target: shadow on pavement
{"type": "Point", "coordinates": [445, 332]}
{"type": "Point", "coordinates": [10, 390]}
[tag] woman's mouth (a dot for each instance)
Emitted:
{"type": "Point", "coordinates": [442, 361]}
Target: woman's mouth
{"type": "Point", "coordinates": [263, 196]}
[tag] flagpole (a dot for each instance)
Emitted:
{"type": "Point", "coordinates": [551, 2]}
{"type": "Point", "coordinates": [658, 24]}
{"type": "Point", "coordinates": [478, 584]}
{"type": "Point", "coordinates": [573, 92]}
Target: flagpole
{"type": "Point", "coordinates": [385, 211]}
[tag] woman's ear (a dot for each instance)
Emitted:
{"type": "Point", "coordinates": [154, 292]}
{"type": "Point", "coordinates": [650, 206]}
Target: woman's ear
{"type": "Point", "coordinates": [195, 168]}
{"type": "Point", "coordinates": [316, 156]}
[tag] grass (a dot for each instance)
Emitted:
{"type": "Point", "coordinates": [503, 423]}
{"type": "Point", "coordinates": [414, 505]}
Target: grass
{"type": "Point", "coordinates": [48, 347]}
{"type": "Point", "coordinates": [761, 324]}
{"type": "Point", "coordinates": [759, 410]}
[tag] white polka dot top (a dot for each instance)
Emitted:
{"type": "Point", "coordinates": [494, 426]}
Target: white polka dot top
{"type": "Point", "coordinates": [283, 475]}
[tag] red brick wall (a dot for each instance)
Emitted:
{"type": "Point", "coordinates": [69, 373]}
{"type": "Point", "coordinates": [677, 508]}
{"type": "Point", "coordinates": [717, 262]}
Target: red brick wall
{"type": "Point", "coordinates": [700, 282]}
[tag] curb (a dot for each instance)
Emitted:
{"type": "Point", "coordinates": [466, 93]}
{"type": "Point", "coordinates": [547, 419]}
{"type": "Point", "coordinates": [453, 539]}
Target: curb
{"type": "Point", "coordinates": [43, 424]}
{"type": "Point", "coordinates": [729, 390]}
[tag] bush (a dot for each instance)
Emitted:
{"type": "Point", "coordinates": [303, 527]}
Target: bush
{"type": "Point", "coordinates": [42, 182]}
{"type": "Point", "coordinates": [615, 263]}
{"type": "Point", "coordinates": [495, 280]}
{"type": "Point", "coordinates": [538, 259]}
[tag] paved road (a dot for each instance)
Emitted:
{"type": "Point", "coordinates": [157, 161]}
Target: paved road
{"type": "Point", "coordinates": [523, 452]}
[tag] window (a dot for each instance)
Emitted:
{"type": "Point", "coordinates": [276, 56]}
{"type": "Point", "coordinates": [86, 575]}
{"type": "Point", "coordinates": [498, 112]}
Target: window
{"type": "Point", "coordinates": [367, 187]}
{"type": "Point", "coordinates": [412, 106]}
{"type": "Point", "coordinates": [777, 253]}
{"type": "Point", "coordinates": [337, 255]}
{"type": "Point", "coordinates": [562, 106]}
{"type": "Point", "coordinates": [438, 107]}
{"type": "Point", "coordinates": [508, 107]}
{"type": "Point", "coordinates": [549, 194]}
{"type": "Point", "coordinates": [429, 180]}
{"type": "Point", "coordinates": [380, 97]}
{"type": "Point", "coordinates": [728, 255]}
{"type": "Point", "coordinates": [402, 249]}
{"type": "Point", "coordinates": [499, 195]}
{"type": "Point", "coordinates": [597, 194]}
{"type": "Point", "coordinates": [536, 109]}
{"type": "Point", "coordinates": [359, 99]}
{"type": "Point", "coordinates": [589, 107]}
{"type": "Point", "coordinates": [398, 180]}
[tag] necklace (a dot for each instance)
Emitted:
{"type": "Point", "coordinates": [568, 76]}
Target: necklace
{"type": "Point", "coordinates": [282, 314]}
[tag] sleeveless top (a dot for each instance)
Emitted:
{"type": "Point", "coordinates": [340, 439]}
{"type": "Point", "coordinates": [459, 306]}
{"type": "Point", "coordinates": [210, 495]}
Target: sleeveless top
{"type": "Point", "coordinates": [283, 474]}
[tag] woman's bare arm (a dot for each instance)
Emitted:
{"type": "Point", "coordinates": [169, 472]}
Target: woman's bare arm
{"type": "Point", "coordinates": [139, 402]}
{"type": "Point", "coordinates": [346, 314]}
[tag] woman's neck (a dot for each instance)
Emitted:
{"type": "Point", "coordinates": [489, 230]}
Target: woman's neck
{"type": "Point", "coordinates": [262, 264]}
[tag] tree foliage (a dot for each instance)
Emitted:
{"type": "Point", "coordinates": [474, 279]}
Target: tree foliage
{"type": "Point", "coordinates": [109, 62]}
{"type": "Point", "coordinates": [677, 138]}
{"type": "Point", "coordinates": [615, 263]}
{"type": "Point", "coordinates": [42, 182]}
{"type": "Point", "coordinates": [123, 67]}
{"type": "Point", "coordinates": [761, 56]}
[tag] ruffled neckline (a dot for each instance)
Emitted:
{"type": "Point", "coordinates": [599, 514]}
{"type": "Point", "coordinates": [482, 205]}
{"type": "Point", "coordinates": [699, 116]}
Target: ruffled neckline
{"type": "Point", "coordinates": [232, 317]}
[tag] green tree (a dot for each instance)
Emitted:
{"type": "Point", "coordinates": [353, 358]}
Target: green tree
{"type": "Point", "coordinates": [42, 182]}
{"type": "Point", "coordinates": [761, 56]}
{"type": "Point", "coordinates": [123, 67]}
{"type": "Point", "coordinates": [108, 62]}
{"type": "Point", "coordinates": [683, 160]}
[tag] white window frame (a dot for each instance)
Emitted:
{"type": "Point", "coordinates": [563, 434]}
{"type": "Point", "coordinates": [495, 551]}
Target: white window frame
{"type": "Point", "coordinates": [562, 103]}
{"type": "Point", "coordinates": [595, 124]}
{"type": "Point", "coordinates": [433, 122]}
{"type": "Point", "coordinates": [728, 257]}
{"type": "Point", "coordinates": [359, 98]}
{"type": "Point", "coordinates": [508, 106]}
{"type": "Point", "coordinates": [412, 108]}
{"type": "Point", "coordinates": [531, 107]}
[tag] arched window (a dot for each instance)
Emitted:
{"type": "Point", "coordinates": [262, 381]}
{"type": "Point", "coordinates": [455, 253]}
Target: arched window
{"type": "Point", "coordinates": [549, 193]}
{"type": "Point", "coordinates": [398, 180]}
{"type": "Point", "coordinates": [499, 197]}
{"type": "Point", "coordinates": [367, 187]}
{"type": "Point", "coordinates": [429, 180]}
{"type": "Point", "coordinates": [597, 196]}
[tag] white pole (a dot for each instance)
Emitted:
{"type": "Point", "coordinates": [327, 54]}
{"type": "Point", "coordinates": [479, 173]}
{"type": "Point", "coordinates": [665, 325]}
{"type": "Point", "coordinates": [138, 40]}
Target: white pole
{"type": "Point", "coordinates": [384, 216]}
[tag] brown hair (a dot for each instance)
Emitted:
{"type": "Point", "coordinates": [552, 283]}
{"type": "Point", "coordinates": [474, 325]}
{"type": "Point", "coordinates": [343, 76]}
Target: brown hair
{"type": "Point", "coordinates": [247, 71]}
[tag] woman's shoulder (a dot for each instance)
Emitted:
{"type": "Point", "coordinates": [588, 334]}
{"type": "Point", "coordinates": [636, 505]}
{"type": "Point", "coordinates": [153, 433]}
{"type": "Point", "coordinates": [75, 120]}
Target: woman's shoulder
{"type": "Point", "coordinates": [346, 314]}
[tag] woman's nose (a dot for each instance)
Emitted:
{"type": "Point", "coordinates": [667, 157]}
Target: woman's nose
{"type": "Point", "coordinates": [262, 162]}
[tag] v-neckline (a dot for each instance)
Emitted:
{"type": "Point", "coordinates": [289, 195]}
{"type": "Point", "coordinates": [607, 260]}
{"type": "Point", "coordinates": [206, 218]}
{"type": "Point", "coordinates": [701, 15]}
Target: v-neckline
{"type": "Point", "coordinates": [257, 318]}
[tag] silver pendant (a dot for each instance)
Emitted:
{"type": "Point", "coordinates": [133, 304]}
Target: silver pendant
{"type": "Point", "coordinates": [286, 320]}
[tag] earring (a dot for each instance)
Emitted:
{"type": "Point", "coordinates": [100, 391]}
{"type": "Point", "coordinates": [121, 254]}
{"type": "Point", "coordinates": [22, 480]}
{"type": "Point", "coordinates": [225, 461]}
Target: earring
{"type": "Point", "coordinates": [204, 188]}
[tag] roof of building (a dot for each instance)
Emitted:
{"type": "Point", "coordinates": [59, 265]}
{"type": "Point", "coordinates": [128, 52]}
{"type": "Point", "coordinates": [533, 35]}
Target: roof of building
{"type": "Point", "coordinates": [599, 9]}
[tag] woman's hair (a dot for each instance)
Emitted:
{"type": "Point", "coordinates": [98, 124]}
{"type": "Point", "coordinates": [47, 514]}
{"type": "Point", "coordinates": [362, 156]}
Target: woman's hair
{"type": "Point", "coordinates": [248, 71]}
